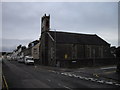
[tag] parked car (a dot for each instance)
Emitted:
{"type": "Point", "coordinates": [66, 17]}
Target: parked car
{"type": "Point", "coordinates": [8, 58]}
{"type": "Point", "coordinates": [20, 59]}
{"type": "Point", "coordinates": [29, 60]}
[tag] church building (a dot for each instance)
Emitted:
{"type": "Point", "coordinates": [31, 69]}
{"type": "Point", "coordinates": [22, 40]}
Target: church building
{"type": "Point", "coordinates": [65, 49]}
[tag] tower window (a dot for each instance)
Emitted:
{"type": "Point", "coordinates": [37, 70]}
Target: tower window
{"type": "Point", "coordinates": [47, 23]}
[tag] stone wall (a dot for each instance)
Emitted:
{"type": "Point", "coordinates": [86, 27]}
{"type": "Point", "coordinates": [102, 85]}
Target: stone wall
{"type": "Point", "coordinates": [87, 62]}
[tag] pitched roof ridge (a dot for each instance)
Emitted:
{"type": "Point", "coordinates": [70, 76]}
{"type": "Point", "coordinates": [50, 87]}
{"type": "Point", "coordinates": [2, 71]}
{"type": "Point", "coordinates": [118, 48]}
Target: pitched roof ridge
{"type": "Point", "coordinates": [73, 33]}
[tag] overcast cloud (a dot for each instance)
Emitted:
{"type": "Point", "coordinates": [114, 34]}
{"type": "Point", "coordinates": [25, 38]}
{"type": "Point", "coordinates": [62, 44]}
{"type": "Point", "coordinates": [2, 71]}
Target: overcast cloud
{"type": "Point", "coordinates": [22, 20]}
{"type": "Point", "coordinates": [0, 26]}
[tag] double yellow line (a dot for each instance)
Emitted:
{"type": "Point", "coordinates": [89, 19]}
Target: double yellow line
{"type": "Point", "coordinates": [4, 83]}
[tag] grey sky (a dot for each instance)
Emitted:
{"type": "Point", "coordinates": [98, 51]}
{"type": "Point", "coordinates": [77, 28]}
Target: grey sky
{"type": "Point", "coordinates": [21, 21]}
{"type": "Point", "coordinates": [0, 26]}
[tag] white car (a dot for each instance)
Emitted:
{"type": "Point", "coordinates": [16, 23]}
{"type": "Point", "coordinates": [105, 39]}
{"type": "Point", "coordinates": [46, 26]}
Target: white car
{"type": "Point", "coordinates": [28, 60]}
{"type": "Point", "coordinates": [20, 60]}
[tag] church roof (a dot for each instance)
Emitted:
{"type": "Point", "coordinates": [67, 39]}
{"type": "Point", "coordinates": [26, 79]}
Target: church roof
{"type": "Point", "coordinates": [76, 38]}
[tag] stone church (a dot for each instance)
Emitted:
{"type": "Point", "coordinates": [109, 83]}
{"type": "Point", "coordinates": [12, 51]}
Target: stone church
{"type": "Point", "coordinates": [64, 49]}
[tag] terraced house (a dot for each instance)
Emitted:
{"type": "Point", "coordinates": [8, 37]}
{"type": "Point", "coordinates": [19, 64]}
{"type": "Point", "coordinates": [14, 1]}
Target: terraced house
{"type": "Point", "coordinates": [65, 49]}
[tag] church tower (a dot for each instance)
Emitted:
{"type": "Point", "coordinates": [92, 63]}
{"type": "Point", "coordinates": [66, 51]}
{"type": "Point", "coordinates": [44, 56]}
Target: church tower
{"type": "Point", "coordinates": [45, 23]}
{"type": "Point", "coordinates": [45, 27]}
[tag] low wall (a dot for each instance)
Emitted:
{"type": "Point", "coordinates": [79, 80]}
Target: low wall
{"type": "Point", "coordinates": [87, 62]}
{"type": "Point", "coordinates": [36, 61]}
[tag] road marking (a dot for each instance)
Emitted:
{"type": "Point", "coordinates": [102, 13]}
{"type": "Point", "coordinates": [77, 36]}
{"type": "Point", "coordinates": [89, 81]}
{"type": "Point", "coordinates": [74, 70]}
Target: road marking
{"type": "Point", "coordinates": [69, 74]}
{"type": "Point", "coordinates": [6, 85]}
{"type": "Point", "coordinates": [57, 72]}
{"type": "Point", "coordinates": [91, 79]}
{"type": "Point", "coordinates": [109, 67]}
{"type": "Point", "coordinates": [82, 68]}
{"type": "Point", "coordinates": [65, 74]}
{"type": "Point", "coordinates": [62, 73]}
{"type": "Point", "coordinates": [64, 86]}
{"type": "Point", "coordinates": [86, 78]}
{"type": "Point", "coordinates": [35, 66]}
{"type": "Point", "coordinates": [59, 84]}
{"type": "Point", "coordinates": [109, 72]}
{"type": "Point", "coordinates": [80, 77]}
{"type": "Point", "coordinates": [95, 75]}
{"type": "Point", "coordinates": [75, 75]}
{"type": "Point", "coordinates": [94, 80]}
{"type": "Point", "coordinates": [52, 71]}
{"type": "Point", "coordinates": [108, 82]}
{"type": "Point", "coordinates": [67, 87]}
{"type": "Point", "coordinates": [101, 81]}
{"type": "Point", "coordinates": [117, 84]}
{"type": "Point", "coordinates": [49, 80]}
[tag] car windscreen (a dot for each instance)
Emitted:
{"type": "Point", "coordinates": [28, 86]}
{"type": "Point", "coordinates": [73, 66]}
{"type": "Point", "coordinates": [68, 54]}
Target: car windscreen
{"type": "Point", "coordinates": [29, 59]}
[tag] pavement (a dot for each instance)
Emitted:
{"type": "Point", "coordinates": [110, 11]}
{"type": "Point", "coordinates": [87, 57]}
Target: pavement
{"type": "Point", "coordinates": [19, 75]}
{"type": "Point", "coordinates": [108, 72]}
{"type": "Point", "coordinates": [104, 74]}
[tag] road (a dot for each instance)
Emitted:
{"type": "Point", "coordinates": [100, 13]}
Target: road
{"type": "Point", "coordinates": [19, 75]}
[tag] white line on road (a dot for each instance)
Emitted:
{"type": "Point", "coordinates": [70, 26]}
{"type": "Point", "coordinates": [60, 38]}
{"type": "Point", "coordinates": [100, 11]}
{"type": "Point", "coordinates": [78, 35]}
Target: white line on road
{"type": "Point", "coordinates": [67, 87]}
{"type": "Point", "coordinates": [4, 80]}
{"type": "Point", "coordinates": [35, 66]}
{"type": "Point", "coordinates": [64, 86]}
{"type": "Point", "coordinates": [108, 82]}
{"type": "Point", "coordinates": [91, 79]}
{"type": "Point", "coordinates": [117, 84]}
{"type": "Point", "coordinates": [49, 80]}
{"type": "Point", "coordinates": [87, 78]}
{"type": "Point", "coordinates": [109, 67]}
{"type": "Point", "coordinates": [59, 84]}
{"type": "Point", "coordinates": [101, 81]}
{"type": "Point", "coordinates": [109, 72]}
{"type": "Point", "coordinates": [69, 75]}
{"type": "Point", "coordinates": [52, 71]}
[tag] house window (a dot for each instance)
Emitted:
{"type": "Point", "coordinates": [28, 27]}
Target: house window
{"type": "Point", "coordinates": [94, 53]}
{"type": "Point", "coordinates": [100, 52]}
{"type": "Point", "coordinates": [89, 52]}
{"type": "Point", "coordinates": [74, 50]}
{"type": "Point", "coordinates": [51, 52]}
{"type": "Point", "coordinates": [35, 50]}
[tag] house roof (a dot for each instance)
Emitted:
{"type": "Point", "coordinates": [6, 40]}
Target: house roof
{"type": "Point", "coordinates": [76, 38]}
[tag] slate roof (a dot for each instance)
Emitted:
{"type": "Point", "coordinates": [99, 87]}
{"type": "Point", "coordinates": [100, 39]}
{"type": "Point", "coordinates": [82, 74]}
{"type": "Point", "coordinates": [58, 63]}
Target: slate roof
{"type": "Point", "coordinates": [76, 38]}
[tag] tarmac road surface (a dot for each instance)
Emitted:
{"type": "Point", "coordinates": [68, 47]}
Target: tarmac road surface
{"type": "Point", "coordinates": [19, 75]}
